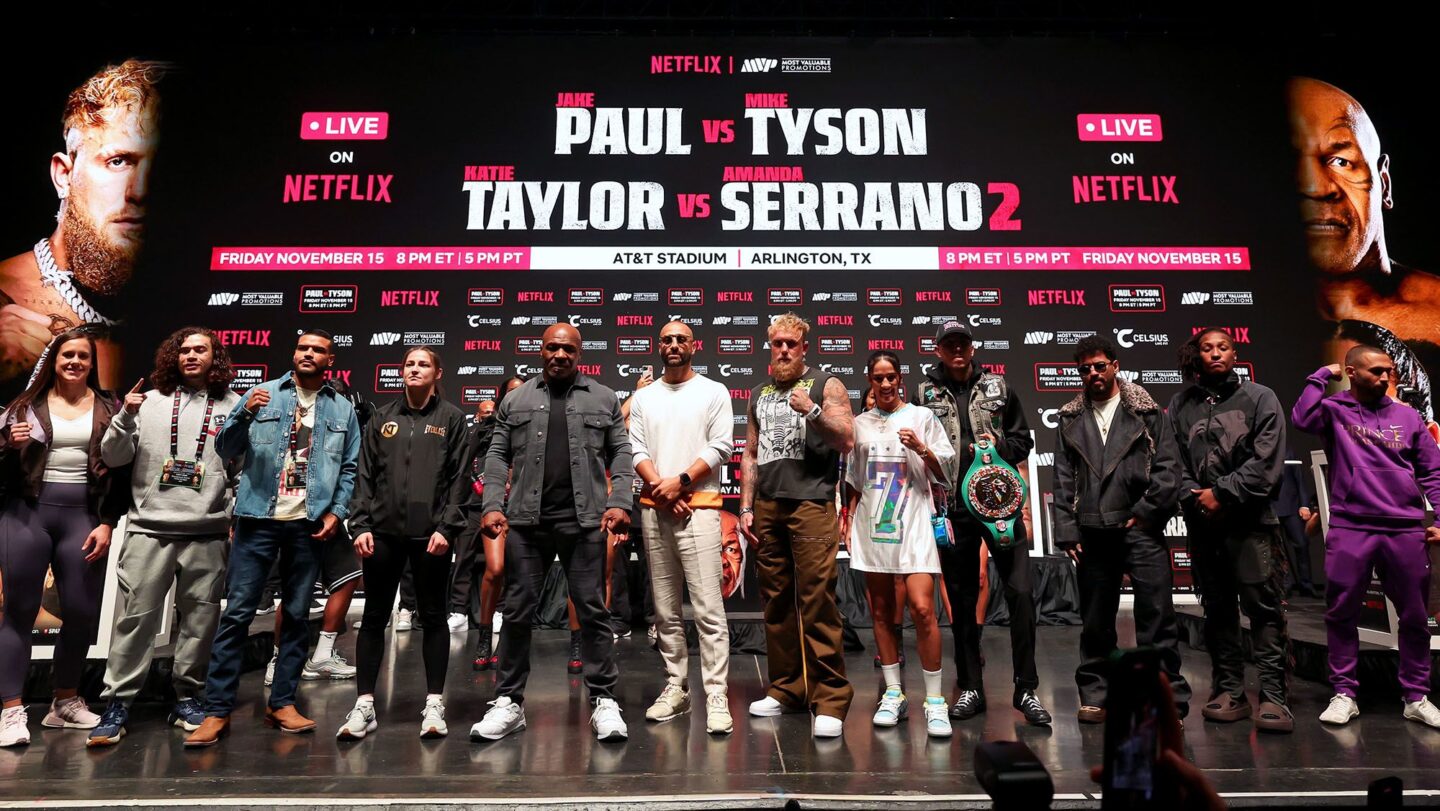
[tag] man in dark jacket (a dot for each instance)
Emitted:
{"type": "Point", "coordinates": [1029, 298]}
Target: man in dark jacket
{"type": "Point", "coordinates": [957, 391]}
{"type": "Point", "coordinates": [1232, 441]}
{"type": "Point", "coordinates": [1117, 481]}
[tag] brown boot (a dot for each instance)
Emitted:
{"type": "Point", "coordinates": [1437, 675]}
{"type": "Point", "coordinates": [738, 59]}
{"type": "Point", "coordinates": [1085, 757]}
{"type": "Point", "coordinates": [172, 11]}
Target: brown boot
{"type": "Point", "coordinates": [1225, 709]}
{"type": "Point", "coordinates": [288, 719]}
{"type": "Point", "coordinates": [1091, 715]}
{"type": "Point", "coordinates": [211, 730]}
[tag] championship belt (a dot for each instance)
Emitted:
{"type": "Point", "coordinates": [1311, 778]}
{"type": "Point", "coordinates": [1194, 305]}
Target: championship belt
{"type": "Point", "coordinates": [994, 493]}
{"type": "Point", "coordinates": [991, 489]}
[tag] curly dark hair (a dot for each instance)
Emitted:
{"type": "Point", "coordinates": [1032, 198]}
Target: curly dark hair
{"type": "Point", "coordinates": [1187, 358]}
{"type": "Point", "coordinates": [166, 377]}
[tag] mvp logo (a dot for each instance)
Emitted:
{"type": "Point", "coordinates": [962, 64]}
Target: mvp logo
{"type": "Point", "coordinates": [1195, 297]}
{"type": "Point", "coordinates": [223, 299]}
{"type": "Point", "coordinates": [1039, 337]}
{"type": "Point", "coordinates": [384, 338]}
{"type": "Point", "coordinates": [760, 65]}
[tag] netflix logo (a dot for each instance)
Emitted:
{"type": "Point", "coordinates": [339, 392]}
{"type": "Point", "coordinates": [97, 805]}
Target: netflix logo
{"type": "Point", "coordinates": [835, 321]}
{"type": "Point", "coordinates": [735, 297]}
{"type": "Point", "coordinates": [535, 296]}
{"type": "Point", "coordinates": [634, 320]}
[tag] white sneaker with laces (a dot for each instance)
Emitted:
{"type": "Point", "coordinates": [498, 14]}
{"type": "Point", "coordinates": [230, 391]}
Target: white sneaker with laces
{"type": "Point", "coordinates": [1424, 712]}
{"type": "Point", "coordinates": [404, 620]}
{"type": "Point", "coordinates": [672, 701]}
{"type": "Point", "coordinates": [827, 726]}
{"type": "Point", "coordinates": [503, 718]}
{"type": "Point", "coordinates": [457, 622]}
{"type": "Point", "coordinates": [606, 721]}
{"type": "Point", "coordinates": [70, 713]}
{"type": "Point", "coordinates": [432, 720]}
{"type": "Point", "coordinates": [717, 715]}
{"type": "Point", "coordinates": [1342, 708]}
{"type": "Point", "coordinates": [270, 668]}
{"type": "Point", "coordinates": [937, 718]}
{"type": "Point", "coordinates": [769, 707]}
{"type": "Point", "coordinates": [359, 722]}
{"type": "Point", "coordinates": [14, 727]}
{"type": "Point", "coordinates": [893, 709]}
{"type": "Point", "coordinates": [333, 668]}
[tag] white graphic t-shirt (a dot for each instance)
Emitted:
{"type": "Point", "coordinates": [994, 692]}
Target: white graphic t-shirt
{"type": "Point", "coordinates": [891, 532]}
{"type": "Point", "coordinates": [290, 501]}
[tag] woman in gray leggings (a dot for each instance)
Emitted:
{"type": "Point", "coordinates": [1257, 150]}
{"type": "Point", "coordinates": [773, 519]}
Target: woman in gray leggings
{"type": "Point", "coordinates": [59, 507]}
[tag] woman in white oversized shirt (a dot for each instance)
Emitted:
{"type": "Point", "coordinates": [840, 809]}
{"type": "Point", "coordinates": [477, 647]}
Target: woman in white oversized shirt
{"type": "Point", "coordinates": [900, 452]}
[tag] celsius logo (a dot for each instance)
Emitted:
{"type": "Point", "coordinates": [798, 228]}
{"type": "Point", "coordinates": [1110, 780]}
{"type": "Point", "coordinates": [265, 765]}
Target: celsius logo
{"type": "Point", "coordinates": [1128, 338]}
{"type": "Point", "coordinates": [687, 320]}
{"type": "Point", "coordinates": [584, 321]}
{"type": "Point", "coordinates": [244, 337]}
{"type": "Point", "coordinates": [480, 321]}
{"type": "Point", "coordinates": [384, 338]}
{"type": "Point", "coordinates": [760, 65]}
{"type": "Point", "coordinates": [726, 370]}
{"type": "Point", "coordinates": [526, 370]}
{"type": "Point", "coordinates": [625, 370]}
{"type": "Point", "coordinates": [984, 321]}
{"type": "Point", "coordinates": [1067, 298]}
{"type": "Point", "coordinates": [1195, 297]}
{"type": "Point", "coordinates": [835, 320]}
{"type": "Point", "coordinates": [1034, 338]}
{"type": "Point", "coordinates": [1050, 417]}
{"type": "Point", "coordinates": [223, 299]}
{"type": "Point", "coordinates": [926, 367]}
{"type": "Point", "coordinates": [885, 321]}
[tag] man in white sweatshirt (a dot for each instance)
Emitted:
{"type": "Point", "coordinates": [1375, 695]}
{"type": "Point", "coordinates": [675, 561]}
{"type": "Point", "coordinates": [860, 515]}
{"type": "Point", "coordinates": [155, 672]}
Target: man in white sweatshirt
{"type": "Point", "coordinates": [179, 524]}
{"type": "Point", "coordinates": [681, 432]}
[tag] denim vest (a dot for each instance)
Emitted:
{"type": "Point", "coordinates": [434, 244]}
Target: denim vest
{"type": "Point", "coordinates": [264, 439]}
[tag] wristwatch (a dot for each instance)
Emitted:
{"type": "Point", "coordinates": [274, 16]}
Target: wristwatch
{"type": "Point", "coordinates": [994, 493]}
{"type": "Point", "coordinates": [684, 479]}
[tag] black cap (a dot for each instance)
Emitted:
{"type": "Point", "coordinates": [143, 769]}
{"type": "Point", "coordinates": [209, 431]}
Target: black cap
{"type": "Point", "coordinates": [951, 328]}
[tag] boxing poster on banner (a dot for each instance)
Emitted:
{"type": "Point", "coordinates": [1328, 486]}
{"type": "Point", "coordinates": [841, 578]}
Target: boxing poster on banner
{"type": "Point", "coordinates": [465, 193]}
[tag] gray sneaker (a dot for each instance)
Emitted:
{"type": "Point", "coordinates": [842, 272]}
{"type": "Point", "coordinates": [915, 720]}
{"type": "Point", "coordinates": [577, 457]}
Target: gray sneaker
{"type": "Point", "coordinates": [432, 720]}
{"type": "Point", "coordinates": [334, 668]}
{"type": "Point", "coordinates": [717, 714]}
{"type": "Point", "coordinates": [359, 723]}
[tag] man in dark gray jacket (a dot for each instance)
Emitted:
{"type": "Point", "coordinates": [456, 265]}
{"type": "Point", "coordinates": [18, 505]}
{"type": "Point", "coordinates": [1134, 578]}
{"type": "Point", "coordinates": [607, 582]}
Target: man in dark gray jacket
{"type": "Point", "coordinates": [1117, 482]}
{"type": "Point", "coordinates": [560, 440]}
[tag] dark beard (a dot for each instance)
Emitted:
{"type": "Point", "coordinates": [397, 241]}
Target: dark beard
{"type": "Point", "coordinates": [98, 264]}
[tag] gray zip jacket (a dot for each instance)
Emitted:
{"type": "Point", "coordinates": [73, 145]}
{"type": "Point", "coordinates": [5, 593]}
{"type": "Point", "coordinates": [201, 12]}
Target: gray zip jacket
{"type": "Point", "coordinates": [599, 451]}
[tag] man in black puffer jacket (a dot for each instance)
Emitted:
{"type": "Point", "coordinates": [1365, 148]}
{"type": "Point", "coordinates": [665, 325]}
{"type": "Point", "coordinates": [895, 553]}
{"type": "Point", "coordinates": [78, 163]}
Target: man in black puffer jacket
{"type": "Point", "coordinates": [1117, 483]}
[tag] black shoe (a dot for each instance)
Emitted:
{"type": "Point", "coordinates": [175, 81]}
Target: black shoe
{"type": "Point", "coordinates": [482, 651]}
{"type": "Point", "coordinates": [574, 665]}
{"type": "Point", "coordinates": [970, 704]}
{"type": "Point", "coordinates": [1030, 707]}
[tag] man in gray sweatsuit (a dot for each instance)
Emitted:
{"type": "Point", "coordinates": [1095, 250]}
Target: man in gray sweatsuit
{"type": "Point", "coordinates": [178, 527]}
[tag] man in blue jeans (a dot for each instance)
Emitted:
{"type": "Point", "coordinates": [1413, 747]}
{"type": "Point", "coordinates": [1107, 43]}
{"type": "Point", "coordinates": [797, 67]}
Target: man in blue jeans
{"type": "Point", "coordinates": [301, 443]}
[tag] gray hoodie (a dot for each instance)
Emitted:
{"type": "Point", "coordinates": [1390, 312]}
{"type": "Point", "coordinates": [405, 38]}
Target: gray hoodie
{"type": "Point", "coordinates": [144, 439]}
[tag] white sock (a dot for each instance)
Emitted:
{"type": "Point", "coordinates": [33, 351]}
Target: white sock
{"type": "Point", "coordinates": [325, 648]}
{"type": "Point", "coordinates": [275, 654]}
{"type": "Point", "coordinates": [368, 698]}
{"type": "Point", "coordinates": [429, 697]}
{"type": "Point", "coordinates": [892, 676]}
{"type": "Point", "coordinates": [933, 687]}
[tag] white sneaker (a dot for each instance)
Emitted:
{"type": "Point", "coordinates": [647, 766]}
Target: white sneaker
{"type": "Point", "coordinates": [73, 713]}
{"type": "Point", "coordinates": [503, 718]}
{"type": "Point", "coordinates": [333, 668]}
{"type": "Point", "coordinates": [892, 710]}
{"type": "Point", "coordinates": [457, 623]}
{"type": "Point", "coordinates": [937, 718]}
{"type": "Point", "coordinates": [404, 620]}
{"type": "Point", "coordinates": [14, 727]}
{"type": "Point", "coordinates": [606, 721]}
{"type": "Point", "coordinates": [768, 707]}
{"type": "Point", "coordinates": [1343, 708]}
{"type": "Point", "coordinates": [270, 668]}
{"type": "Point", "coordinates": [717, 715]}
{"type": "Point", "coordinates": [827, 726]}
{"type": "Point", "coordinates": [673, 700]}
{"type": "Point", "coordinates": [432, 720]}
{"type": "Point", "coordinates": [1424, 712]}
{"type": "Point", "coordinates": [359, 723]}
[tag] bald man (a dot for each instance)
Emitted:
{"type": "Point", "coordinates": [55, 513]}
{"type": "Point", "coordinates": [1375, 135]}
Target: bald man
{"type": "Point", "coordinates": [682, 429]}
{"type": "Point", "coordinates": [1345, 186]}
{"type": "Point", "coordinates": [561, 442]}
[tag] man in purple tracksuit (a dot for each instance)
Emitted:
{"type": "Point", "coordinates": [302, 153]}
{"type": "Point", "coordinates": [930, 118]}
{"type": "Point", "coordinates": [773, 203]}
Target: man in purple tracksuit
{"type": "Point", "coordinates": [1378, 449]}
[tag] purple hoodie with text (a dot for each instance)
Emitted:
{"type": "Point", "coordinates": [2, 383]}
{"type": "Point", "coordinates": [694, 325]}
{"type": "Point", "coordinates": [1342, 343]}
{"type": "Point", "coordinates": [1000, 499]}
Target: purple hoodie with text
{"type": "Point", "coordinates": [1380, 457]}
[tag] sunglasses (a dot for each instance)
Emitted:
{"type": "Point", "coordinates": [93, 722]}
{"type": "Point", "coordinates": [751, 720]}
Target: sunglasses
{"type": "Point", "coordinates": [1085, 368]}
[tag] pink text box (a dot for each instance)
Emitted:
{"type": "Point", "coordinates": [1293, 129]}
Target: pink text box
{"type": "Point", "coordinates": [344, 126]}
{"type": "Point", "coordinates": [1052, 258]}
{"type": "Point", "coordinates": [1119, 127]}
{"type": "Point", "coordinates": [384, 257]}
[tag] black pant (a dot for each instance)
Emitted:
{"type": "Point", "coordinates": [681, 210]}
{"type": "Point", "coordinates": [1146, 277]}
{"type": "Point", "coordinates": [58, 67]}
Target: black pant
{"type": "Point", "coordinates": [961, 566]}
{"type": "Point", "coordinates": [469, 571]}
{"type": "Point", "coordinates": [1299, 550]}
{"type": "Point", "coordinates": [1106, 557]}
{"type": "Point", "coordinates": [528, 553]}
{"type": "Point", "coordinates": [1241, 571]}
{"type": "Point", "coordinates": [632, 599]}
{"type": "Point", "coordinates": [382, 578]}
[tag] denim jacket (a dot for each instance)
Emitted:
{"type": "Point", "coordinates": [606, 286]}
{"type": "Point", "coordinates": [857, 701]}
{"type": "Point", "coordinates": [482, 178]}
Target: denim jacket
{"type": "Point", "coordinates": [263, 439]}
{"type": "Point", "coordinates": [598, 441]}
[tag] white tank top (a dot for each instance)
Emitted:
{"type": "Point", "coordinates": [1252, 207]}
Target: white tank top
{"type": "Point", "coordinates": [69, 458]}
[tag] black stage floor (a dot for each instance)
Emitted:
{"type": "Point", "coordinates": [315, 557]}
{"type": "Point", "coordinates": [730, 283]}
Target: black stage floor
{"type": "Point", "coordinates": [763, 764]}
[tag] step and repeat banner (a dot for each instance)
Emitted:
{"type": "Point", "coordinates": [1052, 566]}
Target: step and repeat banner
{"type": "Point", "coordinates": [465, 193]}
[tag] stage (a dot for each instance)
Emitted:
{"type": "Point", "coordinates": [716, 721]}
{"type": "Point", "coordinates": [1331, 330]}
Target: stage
{"type": "Point", "coordinates": [765, 763]}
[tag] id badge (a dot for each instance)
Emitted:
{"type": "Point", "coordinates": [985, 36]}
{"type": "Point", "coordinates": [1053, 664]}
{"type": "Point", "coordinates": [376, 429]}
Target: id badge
{"type": "Point", "coordinates": [182, 473]}
{"type": "Point", "coordinates": [295, 475]}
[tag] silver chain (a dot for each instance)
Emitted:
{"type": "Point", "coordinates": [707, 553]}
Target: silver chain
{"type": "Point", "coordinates": [52, 276]}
